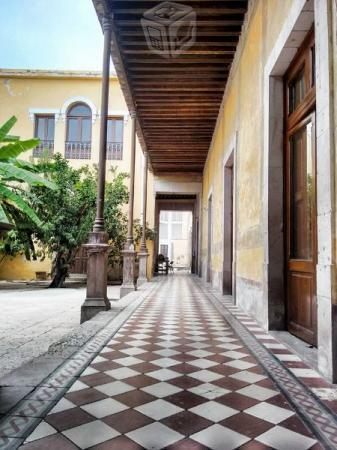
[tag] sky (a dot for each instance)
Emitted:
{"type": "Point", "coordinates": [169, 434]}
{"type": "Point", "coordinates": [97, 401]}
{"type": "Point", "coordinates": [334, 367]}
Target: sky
{"type": "Point", "coordinates": [50, 34]}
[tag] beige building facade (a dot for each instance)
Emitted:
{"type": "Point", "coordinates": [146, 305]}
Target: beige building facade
{"type": "Point", "coordinates": [54, 106]}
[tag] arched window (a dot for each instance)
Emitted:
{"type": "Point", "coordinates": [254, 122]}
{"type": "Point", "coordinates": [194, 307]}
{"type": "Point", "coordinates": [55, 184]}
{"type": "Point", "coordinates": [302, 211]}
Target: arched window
{"type": "Point", "coordinates": [78, 143]}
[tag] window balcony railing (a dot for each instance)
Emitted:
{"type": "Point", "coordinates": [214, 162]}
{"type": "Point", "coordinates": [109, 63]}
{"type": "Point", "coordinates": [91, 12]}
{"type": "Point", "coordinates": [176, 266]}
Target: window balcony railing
{"type": "Point", "coordinates": [78, 150]}
{"type": "Point", "coordinates": [114, 150]}
{"type": "Point", "coordinates": [45, 148]}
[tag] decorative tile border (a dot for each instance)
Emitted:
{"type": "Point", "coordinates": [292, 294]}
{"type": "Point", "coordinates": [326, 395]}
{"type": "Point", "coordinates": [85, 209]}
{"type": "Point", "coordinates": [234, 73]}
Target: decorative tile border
{"type": "Point", "coordinates": [16, 425]}
{"type": "Point", "coordinates": [321, 420]}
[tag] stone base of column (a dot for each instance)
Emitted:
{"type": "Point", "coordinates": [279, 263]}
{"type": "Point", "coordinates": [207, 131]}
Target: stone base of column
{"type": "Point", "coordinates": [129, 263]}
{"type": "Point", "coordinates": [142, 277]}
{"type": "Point", "coordinates": [97, 268]}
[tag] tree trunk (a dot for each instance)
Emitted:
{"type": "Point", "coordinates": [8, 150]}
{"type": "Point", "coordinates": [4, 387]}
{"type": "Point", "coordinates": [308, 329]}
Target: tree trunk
{"type": "Point", "coordinates": [60, 270]}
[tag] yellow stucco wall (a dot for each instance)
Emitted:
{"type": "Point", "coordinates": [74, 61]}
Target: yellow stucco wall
{"type": "Point", "coordinates": [20, 92]}
{"type": "Point", "coordinates": [241, 121]}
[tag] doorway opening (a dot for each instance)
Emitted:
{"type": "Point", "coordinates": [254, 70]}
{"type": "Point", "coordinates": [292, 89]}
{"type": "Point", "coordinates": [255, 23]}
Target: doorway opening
{"type": "Point", "coordinates": [209, 240]}
{"type": "Point", "coordinates": [228, 227]}
{"type": "Point", "coordinates": [175, 239]}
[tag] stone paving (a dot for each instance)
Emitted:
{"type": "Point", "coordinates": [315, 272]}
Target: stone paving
{"type": "Point", "coordinates": [185, 371]}
{"type": "Point", "coordinates": [32, 319]}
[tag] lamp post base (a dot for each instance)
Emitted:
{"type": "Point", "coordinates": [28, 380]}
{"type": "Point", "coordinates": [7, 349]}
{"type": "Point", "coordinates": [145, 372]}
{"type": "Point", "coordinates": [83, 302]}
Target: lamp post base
{"type": "Point", "coordinates": [129, 257]}
{"type": "Point", "coordinates": [96, 299]}
{"type": "Point", "coordinates": [142, 278]}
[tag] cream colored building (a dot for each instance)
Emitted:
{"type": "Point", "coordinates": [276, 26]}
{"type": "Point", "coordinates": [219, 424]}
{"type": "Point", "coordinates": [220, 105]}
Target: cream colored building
{"type": "Point", "coordinates": [63, 109]}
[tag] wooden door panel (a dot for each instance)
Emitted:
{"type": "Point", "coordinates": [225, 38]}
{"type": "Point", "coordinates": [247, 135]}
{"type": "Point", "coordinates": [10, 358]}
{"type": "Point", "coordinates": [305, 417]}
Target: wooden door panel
{"type": "Point", "coordinates": [302, 316]}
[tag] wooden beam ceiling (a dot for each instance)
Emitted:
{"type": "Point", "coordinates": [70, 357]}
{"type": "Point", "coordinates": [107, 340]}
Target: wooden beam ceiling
{"type": "Point", "coordinates": [177, 98]}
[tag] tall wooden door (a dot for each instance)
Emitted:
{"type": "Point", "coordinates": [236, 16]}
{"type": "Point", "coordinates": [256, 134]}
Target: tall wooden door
{"type": "Point", "coordinates": [227, 281]}
{"type": "Point", "coordinates": [300, 196]}
{"type": "Point", "coordinates": [209, 241]}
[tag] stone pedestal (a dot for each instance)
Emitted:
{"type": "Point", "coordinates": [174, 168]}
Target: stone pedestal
{"type": "Point", "coordinates": [96, 299]}
{"type": "Point", "coordinates": [129, 263]}
{"type": "Point", "coordinates": [142, 277]}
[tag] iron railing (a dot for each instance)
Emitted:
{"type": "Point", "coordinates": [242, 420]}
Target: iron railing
{"type": "Point", "coordinates": [114, 150]}
{"type": "Point", "coordinates": [45, 148]}
{"type": "Point", "coordinates": [78, 150]}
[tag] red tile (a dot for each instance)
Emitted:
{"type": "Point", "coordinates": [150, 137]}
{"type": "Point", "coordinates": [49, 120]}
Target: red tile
{"type": "Point", "coordinates": [186, 423]}
{"type": "Point", "coordinates": [185, 382]}
{"type": "Point", "coordinates": [237, 401]}
{"type": "Point", "coordinates": [126, 421]}
{"type": "Point", "coordinates": [85, 396]}
{"type": "Point", "coordinates": [255, 445]}
{"type": "Point", "coordinates": [69, 419]}
{"type": "Point", "coordinates": [184, 368]}
{"type": "Point", "coordinates": [118, 443]}
{"type": "Point", "coordinates": [187, 444]}
{"type": "Point", "coordinates": [55, 442]}
{"type": "Point", "coordinates": [96, 379]}
{"type": "Point", "coordinates": [186, 399]}
{"type": "Point", "coordinates": [140, 381]}
{"type": "Point", "coordinates": [230, 383]}
{"type": "Point", "coordinates": [134, 398]}
{"type": "Point", "coordinates": [295, 424]}
{"type": "Point", "coordinates": [246, 424]}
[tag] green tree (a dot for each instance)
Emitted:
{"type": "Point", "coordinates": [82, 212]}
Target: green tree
{"type": "Point", "coordinates": [68, 215]}
{"type": "Point", "coordinates": [16, 176]}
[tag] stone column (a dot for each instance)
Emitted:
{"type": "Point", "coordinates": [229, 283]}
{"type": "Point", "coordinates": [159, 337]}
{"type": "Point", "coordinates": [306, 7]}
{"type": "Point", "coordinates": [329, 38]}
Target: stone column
{"type": "Point", "coordinates": [97, 246]}
{"type": "Point", "coordinates": [129, 254]}
{"type": "Point", "coordinates": [143, 254]}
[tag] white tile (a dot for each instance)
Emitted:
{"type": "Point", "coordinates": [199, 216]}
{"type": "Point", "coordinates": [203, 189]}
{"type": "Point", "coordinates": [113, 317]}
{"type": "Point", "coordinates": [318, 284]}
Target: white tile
{"type": "Point", "coordinates": [305, 373]}
{"type": "Point", "coordinates": [257, 392]}
{"type": "Point", "coordinates": [218, 437]}
{"type": "Point", "coordinates": [229, 346]}
{"type": "Point", "coordinates": [113, 341]}
{"type": "Point", "coordinates": [137, 343]}
{"type": "Point", "coordinates": [62, 405]}
{"type": "Point", "coordinates": [41, 431]}
{"type": "Point", "coordinates": [90, 434]}
{"type": "Point", "coordinates": [98, 359]}
{"type": "Point", "coordinates": [121, 373]}
{"type": "Point", "coordinates": [128, 361]}
{"type": "Point", "coordinates": [155, 436]}
{"type": "Point", "coordinates": [158, 409]}
{"type": "Point", "coordinates": [269, 412]}
{"type": "Point", "coordinates": [238, 364]}
{"type": "Point", "coordinates": [197, 338]}
{"type": "Point", "coordinates": [165, 362]}
{"type": "Point", "coordinates": [213, 411]}
{"type": "Point", "coordinates": [161, 390]}
{"type": "Point", "coordinates": [166, 352]}
{"type": "Point", "coordinates": [200, 353]}
{"type": "Point", "coordinates": [89, 371]}
{"type": "Point", "coordinates": [140, 336]}
{"type": "Point", "coordinates": [273, 345]}
{"type": "Point", "coordinates": [325, 393]}
{"type": "Point", "coordinates": [283, 439]}
{"type": "Point", "coordinates": [133, 351]}
{"type": "Point", "coordinates": [203, 363]}
{"type": "Point", "coordinates": [287, 357]}
{"type": "Point", "coordinates": [225, 339]}
{"type": "Point", "coordinates": [205, 375]}
{"type": "Point", "coordinates": [249, 377]}
{"type": "Point", "coordinates": [114, 388]}
{"type": "Point", "coordinates": [168, 337]}
{"type": "Point", "coordinates": [103, 408]}
{"type": "Point", "coordinates": [164, 374]}
{"type": "Point", "coordinates": [167, 344]}
{"type": "Point", "coordinates": [199, 345]}
{"type": "Point", "coordinates": [264, 336]}
{"type": "Point", "coordinates": [209, 391]}
{"type": "Point", "coordinates": [78, 386]}
{"type": "Point", "coordinates": [234, 355]}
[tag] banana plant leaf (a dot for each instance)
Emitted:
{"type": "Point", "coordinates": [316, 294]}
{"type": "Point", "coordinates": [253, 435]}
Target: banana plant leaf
{"type": "Point", "coordinates": [16, 148]}
{"type": "Point", "coordinates": [9, 196]}
{"type": "Point", "coordinates": [10, 172]}
{"type": "Point", "coordinates": [5, 129]}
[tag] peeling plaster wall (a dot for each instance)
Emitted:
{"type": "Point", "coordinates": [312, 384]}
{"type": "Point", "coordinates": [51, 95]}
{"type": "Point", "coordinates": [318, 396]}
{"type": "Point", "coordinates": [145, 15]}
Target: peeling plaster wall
{"type": "Point", "coordinates": [242, 116]}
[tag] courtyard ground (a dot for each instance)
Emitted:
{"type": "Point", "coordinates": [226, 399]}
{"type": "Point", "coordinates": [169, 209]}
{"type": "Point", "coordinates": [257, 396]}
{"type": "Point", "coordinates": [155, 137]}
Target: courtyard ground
{"type": "Point", "coordinates": [34, 318]}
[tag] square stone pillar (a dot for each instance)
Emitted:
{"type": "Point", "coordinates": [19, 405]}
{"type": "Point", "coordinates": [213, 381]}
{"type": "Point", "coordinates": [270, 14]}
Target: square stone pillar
{"type": "Point", "coordinates": [96, 300]}
{"type": "Point", "coordinates": [142, 257]}
{"type": "Point", "coordinates": [129, 265]}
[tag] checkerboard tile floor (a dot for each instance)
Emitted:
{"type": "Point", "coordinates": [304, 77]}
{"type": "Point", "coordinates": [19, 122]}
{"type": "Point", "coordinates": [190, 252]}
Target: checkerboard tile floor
{"type": "Point", "coordinates": [175, 376]}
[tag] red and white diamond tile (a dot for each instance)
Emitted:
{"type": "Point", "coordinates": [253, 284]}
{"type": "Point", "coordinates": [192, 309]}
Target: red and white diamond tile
{"type": "Point", "coordinates": [175, 376]}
